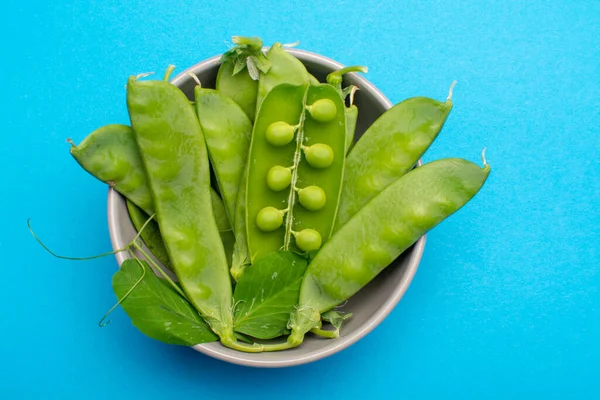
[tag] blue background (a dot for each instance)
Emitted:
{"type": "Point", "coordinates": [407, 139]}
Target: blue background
{"type": "Point", "coordinates": [506, 301]}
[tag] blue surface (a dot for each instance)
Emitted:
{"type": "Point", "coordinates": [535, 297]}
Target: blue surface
{"type": "Point", "coordinates": [506, 302]}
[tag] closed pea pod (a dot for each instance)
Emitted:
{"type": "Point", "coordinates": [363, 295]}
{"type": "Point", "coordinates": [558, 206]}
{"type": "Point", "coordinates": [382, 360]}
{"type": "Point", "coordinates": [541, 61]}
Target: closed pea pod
{"type": "Point", "coordinates": [285, 68]}
{"type": "Point", "coordinates": [388, 149]}
{"type": "Point", "coordinates": [335, 79]}
{"type": "Point", "coordinates": [238, 74]}
{"type": "Point", "coordinates": [381, 231]}
{"type": "Point", "coordinates": [153, 239]}
{"type": "Point", "coordinates": [174, 153]}
{"type": "Point", "coordinates": [309, 200]}
{"type": "Point", "coordinates": [227, 132]}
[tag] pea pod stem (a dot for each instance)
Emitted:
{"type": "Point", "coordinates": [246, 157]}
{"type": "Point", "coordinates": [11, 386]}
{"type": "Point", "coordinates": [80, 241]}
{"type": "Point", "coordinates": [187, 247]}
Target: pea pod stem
{"type": "Point", "coordinates": [168, 72]}
{"type": "Point", "coordinates": [253, 42]}
{"type": "Point", "coordinates": [449, 98]}
{"type": "Point", "coordinates": [325, 333]}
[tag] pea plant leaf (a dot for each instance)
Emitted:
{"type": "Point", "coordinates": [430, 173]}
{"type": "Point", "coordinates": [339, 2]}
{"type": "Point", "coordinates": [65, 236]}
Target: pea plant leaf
{"type": "Point", "coordinates": [156, 309]}
{"type": "Point", "coordinates": [267, 293]}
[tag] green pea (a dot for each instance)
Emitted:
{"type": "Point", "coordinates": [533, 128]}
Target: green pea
{"type": "Point", "coordinates": [389, 149]}
{"type": "Point", "coordinates": [382, 230]}
{"type": "Point", "coordinates": [323, 110]}
{"type": "Point", "coordinates": [312, 198]}
{"type": "Point", "coordinates": [279, 178]}
{"type": "Point", "coordinates": [269, 219]}
{"type": "Point", "coordinates": [308, 240]}
{"type": "Point", "coordinates": [172, 145]}
{"type": "Point", "coordinates": [319, 155]}
{"type": "Point", "coordinates": [280, 133]}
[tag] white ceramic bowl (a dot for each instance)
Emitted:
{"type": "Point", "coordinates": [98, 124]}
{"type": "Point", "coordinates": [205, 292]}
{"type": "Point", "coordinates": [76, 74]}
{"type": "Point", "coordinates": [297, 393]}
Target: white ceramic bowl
{"type": "Point", "coordinates": [370, 305]}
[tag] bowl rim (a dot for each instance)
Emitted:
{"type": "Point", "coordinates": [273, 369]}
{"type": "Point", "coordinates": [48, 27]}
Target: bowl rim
{"type": "Point", "coordinates": [333, 346]}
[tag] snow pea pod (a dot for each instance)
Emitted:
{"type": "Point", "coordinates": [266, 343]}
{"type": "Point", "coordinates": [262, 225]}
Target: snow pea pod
{"type": "Point", "coordinates": [288, 195]}
{"type": "Point", "coordinates": [174, 153]}
{"type": "Point", "coordinates": [285, 68]}
{"type": "Point", "coordinates": [227, 132]}
{"type": "Point", "coordinates": [153, 239]}
{"type": "Point", "coordinates": [110, 154]}
{"type": "Point", "coordinates": [238, 74]}
{"type": "Point", "coordinates": [388, 149]}
{"type": "Point", "coordinates": [381, 231]}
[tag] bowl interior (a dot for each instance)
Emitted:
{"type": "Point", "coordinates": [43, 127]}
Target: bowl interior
{"type": "Point", "coordinates": [370, 305]}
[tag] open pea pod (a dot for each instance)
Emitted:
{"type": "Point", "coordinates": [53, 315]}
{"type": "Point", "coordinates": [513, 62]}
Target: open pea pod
{"type": "Point", "coordinates": [295, 169]}
{"type": "Point", "coordinates": [381, 231]}
{"type": "Point", "coordinates": [389, 149]}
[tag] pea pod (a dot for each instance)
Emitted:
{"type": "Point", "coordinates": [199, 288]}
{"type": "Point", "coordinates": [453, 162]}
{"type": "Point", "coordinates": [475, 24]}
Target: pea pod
{"type": "Point", "coordinates": [174, 153]}
{"type": "Point", "coordinates": [294, 121]}
{"type": "Point", "coordinates": [381, 231]}
{"type": "Point", "coordinates": [227, 132]}
{"type": "Point", "coordinates": [285, 68]}
{"type": "Point", "coordinates": [388, 149]}
{"type": "Point", "coordinates": [111, 155]}
{"type": "Point", "coordinates": [153, 239]}
{"type": "Point", "coordinates": [238, 74]}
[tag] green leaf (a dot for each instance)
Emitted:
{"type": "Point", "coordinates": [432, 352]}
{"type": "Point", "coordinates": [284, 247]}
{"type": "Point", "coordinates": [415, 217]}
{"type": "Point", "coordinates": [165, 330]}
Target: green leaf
{"type": "Point", "coordinates": [267, 293]}
{"type": "Point", "coordinates": [335, 318]}
{"type": "Point", "coordinates": [238, 65]}
{"type": "Point", "coordinates": [156, 309]}
{"type": "Point", "coordinates": [261, 62]}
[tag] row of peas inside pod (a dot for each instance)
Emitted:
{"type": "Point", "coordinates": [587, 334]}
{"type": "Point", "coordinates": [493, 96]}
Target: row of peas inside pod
{"type": "Point", "coordinates": [260, 179]}
{"type": "Point", "coordinates": [294, 173]}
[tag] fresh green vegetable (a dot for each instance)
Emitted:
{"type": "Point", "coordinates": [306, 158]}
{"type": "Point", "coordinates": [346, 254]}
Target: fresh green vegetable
{"type": "Point", "coordinates": [173, 149]}
{"type": "Point", "coordinates": [227, 132]}
{"type": "Point", "coordinates": [110, 154]}
{"type": "Point", "coordinates": [156, 309]}
{"type": "Point", "coordinates": [267, 293]}
{"type": "Point", "coordinates": [239, 72]}
{"type": "Point", "coordinates": [388, 149]}
{"type": "Point", "coordinates": [379, 233]}
{"type": "Point", "coordinates": [335, 79]}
